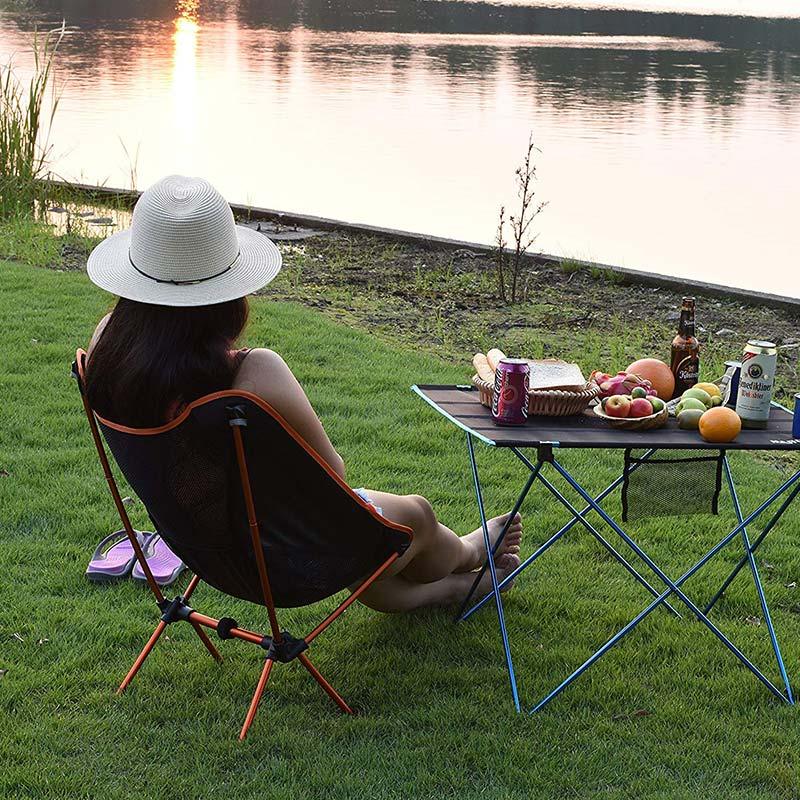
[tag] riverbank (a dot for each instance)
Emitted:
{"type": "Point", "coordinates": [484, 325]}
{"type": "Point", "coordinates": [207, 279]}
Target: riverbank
{"type": "Point", "coordinates": [444, 300]}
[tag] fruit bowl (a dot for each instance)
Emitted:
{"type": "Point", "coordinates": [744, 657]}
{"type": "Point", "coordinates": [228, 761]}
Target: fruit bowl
{"type": "Point", "coordinates": [648, 423]}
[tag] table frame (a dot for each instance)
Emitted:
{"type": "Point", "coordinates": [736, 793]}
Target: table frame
{"type": "Point", "coordinates": [545, 458]}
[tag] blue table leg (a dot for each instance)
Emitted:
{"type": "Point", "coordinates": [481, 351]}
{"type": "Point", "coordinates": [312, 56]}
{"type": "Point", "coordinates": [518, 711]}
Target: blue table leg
{"type": "Point", "coordinates": [673, 587]}
{"type": "Point", "coordinates": [520, 500]}
{"type": "Point", "coordinates": [763, 535]}
{"type": "Point", "coordinates": [757, 580]}
{"type": "Point", "coordinates": [558, 534]}
{"type": "Point", "coordinates": [600, 538]}
{"type": "Point", "coordinates": [492, 572]}
{"type": "Point", "coordinates": [597, 535]}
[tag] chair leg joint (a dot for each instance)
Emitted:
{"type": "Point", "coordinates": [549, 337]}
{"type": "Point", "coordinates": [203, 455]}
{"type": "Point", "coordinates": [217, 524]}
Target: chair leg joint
{"type": "Point", "coordinates": [287, 649]}
{"type": "Point", "coordinates": [174, 610]}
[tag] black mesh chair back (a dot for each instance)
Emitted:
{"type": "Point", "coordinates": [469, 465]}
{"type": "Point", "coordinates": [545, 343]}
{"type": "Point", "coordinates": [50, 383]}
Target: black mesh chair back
{"type": "Point", "coordinates": [318, 536]}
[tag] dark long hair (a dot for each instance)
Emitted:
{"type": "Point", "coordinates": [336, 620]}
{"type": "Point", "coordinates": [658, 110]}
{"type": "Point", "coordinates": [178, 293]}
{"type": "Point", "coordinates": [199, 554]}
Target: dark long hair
{"type": "Point", "coordinates": [150, 358]}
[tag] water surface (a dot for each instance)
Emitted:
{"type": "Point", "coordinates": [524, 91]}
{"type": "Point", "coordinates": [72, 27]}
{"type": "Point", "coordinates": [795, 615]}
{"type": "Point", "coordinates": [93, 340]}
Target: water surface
{"type": "Point", "coordinates": [669, 129]}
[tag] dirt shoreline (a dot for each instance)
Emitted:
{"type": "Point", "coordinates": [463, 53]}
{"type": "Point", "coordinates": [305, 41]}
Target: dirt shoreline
{"type": "Point", "coordinates": [445, 300]}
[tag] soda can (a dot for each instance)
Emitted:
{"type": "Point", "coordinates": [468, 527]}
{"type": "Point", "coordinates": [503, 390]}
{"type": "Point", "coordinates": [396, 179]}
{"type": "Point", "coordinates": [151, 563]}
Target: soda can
{"type": "Point", "coordinates": [796, 424]}
{"type": "Point", "coordinates": [510, 397]}
{"type": "Point", "coordinates": [730, 382]}
{"type": "Point", "coordinates": [756, 383]}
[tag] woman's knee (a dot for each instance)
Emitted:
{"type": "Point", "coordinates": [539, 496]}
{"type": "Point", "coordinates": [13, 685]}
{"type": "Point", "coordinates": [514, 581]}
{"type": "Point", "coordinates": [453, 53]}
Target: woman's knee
{"type": "Point", "coordinates": [423, 513]}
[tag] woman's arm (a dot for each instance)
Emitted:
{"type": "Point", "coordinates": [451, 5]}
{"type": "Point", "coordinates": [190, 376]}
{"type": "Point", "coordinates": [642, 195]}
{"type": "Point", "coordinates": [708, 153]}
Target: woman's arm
{"type": "Point", "coordinates": [267, 375]}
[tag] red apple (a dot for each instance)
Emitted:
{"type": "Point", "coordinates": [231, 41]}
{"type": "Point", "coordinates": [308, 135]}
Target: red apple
{"type": "Point", "coordinates": [640, 407]}
{"type": "Point", "coordinates": [619, 406]}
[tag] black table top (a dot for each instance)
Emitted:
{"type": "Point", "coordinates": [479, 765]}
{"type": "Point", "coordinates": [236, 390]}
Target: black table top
{"type": "Point", "coordinates": [461, 405]}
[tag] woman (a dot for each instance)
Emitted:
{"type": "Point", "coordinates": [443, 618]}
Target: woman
{"type": "Point", "coordinates": [182, 273]}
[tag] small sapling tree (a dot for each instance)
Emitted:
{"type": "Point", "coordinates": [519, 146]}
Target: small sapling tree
{"type": "Point", "coordinates": [510, 262]}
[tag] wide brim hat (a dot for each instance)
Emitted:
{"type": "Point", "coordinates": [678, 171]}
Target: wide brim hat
{"type": "Point", "coordinates": [183, 249]}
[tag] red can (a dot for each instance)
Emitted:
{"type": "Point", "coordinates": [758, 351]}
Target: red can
{"type": "Point", "coordinates": [510, 398]}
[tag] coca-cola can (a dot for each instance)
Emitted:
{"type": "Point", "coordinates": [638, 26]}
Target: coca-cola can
{"type": "Point", "coordinates": [510, 397]}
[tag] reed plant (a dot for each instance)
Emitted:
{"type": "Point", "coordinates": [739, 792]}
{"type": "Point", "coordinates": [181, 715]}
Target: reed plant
{"type": "Point", "coordinates": [26, 117]}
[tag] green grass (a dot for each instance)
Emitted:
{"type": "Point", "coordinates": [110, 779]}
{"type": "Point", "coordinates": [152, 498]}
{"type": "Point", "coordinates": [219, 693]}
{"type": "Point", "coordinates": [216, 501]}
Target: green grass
{"type": "Point", "coordinates": [668, 714]}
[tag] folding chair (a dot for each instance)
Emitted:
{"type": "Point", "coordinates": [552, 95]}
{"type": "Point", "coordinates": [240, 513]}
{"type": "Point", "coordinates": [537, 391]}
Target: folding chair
{"type": "Point", "coordinates": [254, 512]}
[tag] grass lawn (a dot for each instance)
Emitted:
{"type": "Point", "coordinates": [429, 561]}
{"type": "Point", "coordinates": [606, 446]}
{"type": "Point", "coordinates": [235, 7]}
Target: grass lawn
{"type": "Point", "coordinates": [668, 714]}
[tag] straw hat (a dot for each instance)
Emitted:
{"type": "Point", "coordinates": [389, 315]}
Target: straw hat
{"type": "Point", "coordinates": [183, 249]}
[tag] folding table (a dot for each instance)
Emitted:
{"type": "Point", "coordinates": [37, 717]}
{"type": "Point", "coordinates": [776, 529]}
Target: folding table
{"type": "Point", "coordinates": [546, 435]}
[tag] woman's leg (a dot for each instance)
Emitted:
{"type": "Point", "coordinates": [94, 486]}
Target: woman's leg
{"type": "Point", "coordinates": [436, 551]}
{"type": "Point", "coordinates": [397, 593]}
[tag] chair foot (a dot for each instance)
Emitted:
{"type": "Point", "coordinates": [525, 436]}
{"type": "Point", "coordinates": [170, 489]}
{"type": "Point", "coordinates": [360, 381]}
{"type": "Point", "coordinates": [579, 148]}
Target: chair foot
{"type": "Point", "coordinates": [142, 656]}
{"type": "Point", "coordinates": [329, 690]}
{"type": "Point", "coordinates": [251, 712]}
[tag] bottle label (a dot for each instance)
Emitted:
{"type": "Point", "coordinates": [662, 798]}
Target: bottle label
{"type": "Point", "coordinates": [687, 372]}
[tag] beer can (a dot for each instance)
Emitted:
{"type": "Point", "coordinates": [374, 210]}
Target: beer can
{"type": "Point", "coordinates": [730, 382]}
{"type": "Point", "coordinates": [510, 397]}
{"type": "Point", "coordinates": [756, 383]}
{"type": "Point", "coordinates": [796, 424]}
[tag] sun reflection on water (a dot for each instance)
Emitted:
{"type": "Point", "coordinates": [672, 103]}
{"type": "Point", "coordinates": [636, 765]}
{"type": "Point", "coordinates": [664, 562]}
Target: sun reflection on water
{"type": "Point", "coordinates": [184, 70]}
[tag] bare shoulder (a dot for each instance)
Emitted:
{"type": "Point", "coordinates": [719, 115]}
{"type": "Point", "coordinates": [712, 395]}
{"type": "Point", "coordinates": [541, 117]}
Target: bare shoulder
{"type": "Point", "coordinates": [260, 370]}
{"type": "Point", "coordinates": [101, 326]}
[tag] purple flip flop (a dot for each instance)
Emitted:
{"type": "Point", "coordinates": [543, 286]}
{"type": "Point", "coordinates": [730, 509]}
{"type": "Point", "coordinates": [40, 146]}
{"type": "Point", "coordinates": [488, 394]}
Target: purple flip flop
{"type": "Point", "coordinates": [164, 564]}
{"type": "Point", "coordinates": [113, 558]}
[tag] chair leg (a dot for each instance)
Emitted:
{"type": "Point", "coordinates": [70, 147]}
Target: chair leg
{"type": "Point", "coordinates": [215, 654]}
{"type": "Point", "coordinates": [142, 656]}
{"type": "Point", "coordinates": [329, 690]}
{"type": "Point", "coordinates": [251, 712]}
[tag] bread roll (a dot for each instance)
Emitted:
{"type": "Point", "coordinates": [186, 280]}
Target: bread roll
{"type": "Point", "coordinates": [481, 364]}
{"type": "Point", "coordinates": [494, 356]}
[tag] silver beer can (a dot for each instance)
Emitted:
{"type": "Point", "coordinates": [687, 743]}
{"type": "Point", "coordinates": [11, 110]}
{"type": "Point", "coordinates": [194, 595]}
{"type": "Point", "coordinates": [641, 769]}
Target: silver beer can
{"type": "Point", "coordinates": [756, 383]}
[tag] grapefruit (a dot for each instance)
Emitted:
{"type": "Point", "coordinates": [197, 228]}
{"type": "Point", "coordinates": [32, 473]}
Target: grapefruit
{"type": "Point", "coordinates": [658, 373]}
{"type": "Point", "coordinates": [720, 425]}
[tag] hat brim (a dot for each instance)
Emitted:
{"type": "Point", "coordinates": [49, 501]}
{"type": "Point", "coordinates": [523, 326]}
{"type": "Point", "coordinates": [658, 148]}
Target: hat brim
{"type": "Point", "coordinates": [259, 261]}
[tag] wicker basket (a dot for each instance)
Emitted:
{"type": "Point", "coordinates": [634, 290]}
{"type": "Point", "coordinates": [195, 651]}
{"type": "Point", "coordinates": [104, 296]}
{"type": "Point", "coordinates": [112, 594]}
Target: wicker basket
{"type": "Point", "coordinates": [545, 402]}
{"type": "Point", "coordinates": [635, 423]}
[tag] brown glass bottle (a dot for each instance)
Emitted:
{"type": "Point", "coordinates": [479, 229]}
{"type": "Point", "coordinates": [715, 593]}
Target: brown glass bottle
{"type": "Point", "coordinates": [685, 350]}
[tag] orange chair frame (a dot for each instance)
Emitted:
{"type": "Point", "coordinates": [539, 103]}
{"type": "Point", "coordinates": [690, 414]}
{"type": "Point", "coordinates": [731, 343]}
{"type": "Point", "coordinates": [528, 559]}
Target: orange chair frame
{"type": "Point", "coordinates": [280, 646]}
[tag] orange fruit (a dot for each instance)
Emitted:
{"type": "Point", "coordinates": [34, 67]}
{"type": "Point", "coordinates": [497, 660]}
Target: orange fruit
{"type": "Point", "coordinates": [720, 425]}
{"type": "Point", "coordinates": [658, 373]}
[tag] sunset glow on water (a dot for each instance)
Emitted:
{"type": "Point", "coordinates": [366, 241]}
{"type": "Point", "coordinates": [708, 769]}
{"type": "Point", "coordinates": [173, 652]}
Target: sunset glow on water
{"type": "Point", "coordinates": [669, 142]}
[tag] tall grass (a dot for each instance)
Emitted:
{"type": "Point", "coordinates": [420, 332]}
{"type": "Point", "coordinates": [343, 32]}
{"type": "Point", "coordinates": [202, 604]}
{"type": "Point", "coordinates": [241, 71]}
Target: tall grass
{"type": "Point", "coordinates": [25, 121]}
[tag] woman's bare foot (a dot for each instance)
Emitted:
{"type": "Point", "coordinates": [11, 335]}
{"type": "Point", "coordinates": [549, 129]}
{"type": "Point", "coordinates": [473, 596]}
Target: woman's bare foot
{"type": "Point", "coordinates": [504, 566]}
{"type": "Point", "coordinates": [510, 545]}
{"type": "Point", "coordinates": [396, 593]}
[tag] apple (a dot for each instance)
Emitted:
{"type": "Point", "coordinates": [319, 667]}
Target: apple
{"type": "Point", "coordinates": [638, 391]}
{"type": "Point", "coordinates": [640, 407]}
{"type": "Point", "coordinates": [619, 406]}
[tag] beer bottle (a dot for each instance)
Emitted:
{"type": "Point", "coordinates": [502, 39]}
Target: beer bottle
{"type": "Point", "coordinates": [685, 350]}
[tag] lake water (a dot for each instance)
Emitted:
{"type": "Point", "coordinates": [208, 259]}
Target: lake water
{"type": "Point", "coordinates": [669, 129]}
